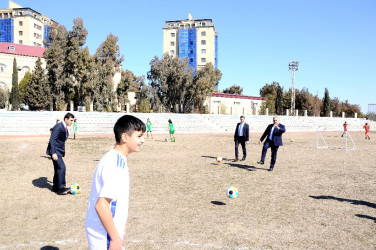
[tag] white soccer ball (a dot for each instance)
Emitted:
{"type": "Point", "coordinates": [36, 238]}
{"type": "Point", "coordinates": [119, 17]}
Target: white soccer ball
{"type": "Point", "coordinates": [232, 192]}
{"type": "Point", "coordinates": [219, 159]}
{"type": "Point", "coordinates": [75, 188]}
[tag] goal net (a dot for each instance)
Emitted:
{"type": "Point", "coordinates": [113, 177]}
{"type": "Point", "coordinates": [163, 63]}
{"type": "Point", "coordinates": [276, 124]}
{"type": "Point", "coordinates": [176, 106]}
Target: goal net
{"type": "Point", "coordinates": [334, 140]}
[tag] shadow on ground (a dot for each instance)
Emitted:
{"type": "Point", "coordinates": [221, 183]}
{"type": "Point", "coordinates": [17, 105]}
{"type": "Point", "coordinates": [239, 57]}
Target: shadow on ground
{"type": "Point", "coordinates": [42, 182]}
{"type": "Point", "coordinates": [219, 203]}
{"type": "Point", "coordinates": [354, 202]}
{"type": "Point", "coordinates": [49, 248]}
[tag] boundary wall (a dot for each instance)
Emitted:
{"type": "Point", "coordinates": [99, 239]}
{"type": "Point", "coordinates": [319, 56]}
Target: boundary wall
{"type": "Point", "coordinates": [21, 123]}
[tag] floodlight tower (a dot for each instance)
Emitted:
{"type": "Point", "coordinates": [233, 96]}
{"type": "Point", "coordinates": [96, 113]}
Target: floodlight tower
{"type": "Point", "coordinates": [293, 66]}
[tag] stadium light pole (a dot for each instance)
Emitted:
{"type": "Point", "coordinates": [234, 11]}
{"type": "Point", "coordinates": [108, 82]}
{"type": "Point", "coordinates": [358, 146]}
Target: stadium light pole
{"type": "Point", "coordinates": [293, 66]}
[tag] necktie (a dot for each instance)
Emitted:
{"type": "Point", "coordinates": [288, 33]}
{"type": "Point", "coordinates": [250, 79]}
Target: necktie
{"type": "Point", "coordinates": [240, 129]}
{"type": "Point", "coordinates": [271, 134]}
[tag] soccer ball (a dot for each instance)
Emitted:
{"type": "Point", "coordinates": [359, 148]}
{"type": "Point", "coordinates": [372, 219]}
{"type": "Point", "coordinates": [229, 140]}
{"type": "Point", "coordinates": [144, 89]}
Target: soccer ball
{"type": "Point", "coordinates": [219, 159]}
{"type": "Point", "coordinates": [292, 140]}
{"type": "Point", "coordinates": [75, 188]}
{"type": "Point", "coordinates": [165, 139]}
{"type": "Point", "coordinates": [232, 192]}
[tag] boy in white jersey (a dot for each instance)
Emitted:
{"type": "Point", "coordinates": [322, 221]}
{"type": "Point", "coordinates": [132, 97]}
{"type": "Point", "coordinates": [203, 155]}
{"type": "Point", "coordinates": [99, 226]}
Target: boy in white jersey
{"type": "Point", "coordinates": [107, 211]}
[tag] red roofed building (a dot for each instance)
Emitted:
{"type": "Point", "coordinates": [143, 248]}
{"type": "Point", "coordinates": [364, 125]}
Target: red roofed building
{"type": "Point", "coordinates": [26, 56]}
{"type": "Point", "coordinates": [232, 104]}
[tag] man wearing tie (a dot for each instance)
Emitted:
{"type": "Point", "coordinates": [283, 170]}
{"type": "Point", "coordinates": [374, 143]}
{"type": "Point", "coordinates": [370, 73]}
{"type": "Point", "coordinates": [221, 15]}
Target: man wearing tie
{"type": "Point", "coordinates": [241, 136]}
{"type": "Point", "coordinates": [273, 135]}
{"type": "Point", "coordinates": [56, 149]}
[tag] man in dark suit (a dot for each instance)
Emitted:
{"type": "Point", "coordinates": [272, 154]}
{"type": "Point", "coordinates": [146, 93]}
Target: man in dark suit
{"type": "Point", "coordinates": [241, 136]}
{"type": "Point", "coordinates": [56, 149]}
{"type": "Point", "coordinates": [273, 134]}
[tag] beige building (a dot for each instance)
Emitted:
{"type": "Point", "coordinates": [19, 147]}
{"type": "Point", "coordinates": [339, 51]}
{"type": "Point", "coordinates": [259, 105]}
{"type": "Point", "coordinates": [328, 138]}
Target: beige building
{"type": "Point", "coordinates": [231, 104]}
{"type": "Point", "coordinates": [24, 26]}
{"type": "Point", "coordinates": [192, 38]}
{"type": "Point", "coordinates": [26, 56]}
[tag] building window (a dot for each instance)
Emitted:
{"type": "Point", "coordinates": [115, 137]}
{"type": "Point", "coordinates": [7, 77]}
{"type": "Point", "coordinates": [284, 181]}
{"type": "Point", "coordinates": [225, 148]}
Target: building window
{"type": "Point", "coordinates": [20, 23]}
{"type": "Point", "coordinates": [236, 103]}
{"type": "Point", "coordinates": [172, 52]}
{"type": "Point", "coordinates": [20, 32]}
{"type": "Point", "coordinates": [203, 42]}
{"type": "Point", "coordinates": [217, 102]}
{"type": "Point", "coordinates": [5, 15]}
{"type": "Point", "coordinates": [172, 34]}
{"type": "Point", "coordinates": [25, 69]}
{"type": "Point", "coordinates": [203, 33]}
{"type": "Point", "coordinates": [191, 51]}
{"type": "Point", "coordinates": [172, 43]}
{"type": "Point", "coordinates": [203, 51]}
{"type": "Point", "coordinates": [20, 42]}
{"type": "Point", "coordinates": [203, 24]}
{"type": "Point", "coordinates": [203, 60]}
{"type": "Point", "coordinates": [3, 68]}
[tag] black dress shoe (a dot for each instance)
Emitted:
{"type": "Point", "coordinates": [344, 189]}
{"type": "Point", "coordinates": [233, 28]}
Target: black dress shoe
{"type": "Point", "coordinates": [235, 160]}
{"type": "Point", "coordinates": [61, 190]}
{"type": "Point", "coordinates": [243, 159]}
{"type": "Point", "coordinates": [260, 162]}
{"type": "Point", "coordinates": [270, 169]}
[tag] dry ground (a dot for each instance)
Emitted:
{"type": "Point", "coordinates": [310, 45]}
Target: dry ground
{"type": "Point", "coordinates": [315, 198]}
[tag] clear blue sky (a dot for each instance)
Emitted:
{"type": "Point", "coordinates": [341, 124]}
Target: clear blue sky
{"type": "Point", "coordinates": [335, 41]}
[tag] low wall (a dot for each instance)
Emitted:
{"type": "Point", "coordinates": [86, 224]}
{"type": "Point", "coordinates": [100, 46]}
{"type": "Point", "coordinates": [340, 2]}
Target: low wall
{"type": "Point", "coordinates": [39, 123]}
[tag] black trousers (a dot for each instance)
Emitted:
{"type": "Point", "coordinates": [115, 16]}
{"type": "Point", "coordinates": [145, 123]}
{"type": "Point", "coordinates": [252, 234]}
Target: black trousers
{"type": "Point", "coordinates": [240, 140]}
{"type": "Point", "coordinates": [59, 174]}
{"type": "Point", "coordinates": [269, 144]}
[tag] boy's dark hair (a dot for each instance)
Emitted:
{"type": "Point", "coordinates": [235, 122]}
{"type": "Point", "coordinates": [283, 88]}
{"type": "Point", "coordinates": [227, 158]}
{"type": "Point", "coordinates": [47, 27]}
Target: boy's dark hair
{"type": "Point", "coordinates": [169, 121]}
{"type": "Point", "coordinates": [128, 124]}
{"type": "Point", "coordinates": [242, 117]}
{"type": "Point", "coordinates": [68, 116]}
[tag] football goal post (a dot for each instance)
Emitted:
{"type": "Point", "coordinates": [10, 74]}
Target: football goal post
{"type": "Point", "coordinates": [332, 140]}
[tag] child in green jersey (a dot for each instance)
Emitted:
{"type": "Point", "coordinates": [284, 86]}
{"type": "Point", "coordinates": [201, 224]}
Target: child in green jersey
{"type": "Point", "coordinates": [148, 128]}
{"type": "Point", "coordinates": [74, 129]}
{"type": "Point", "coordinates": [172, 130]}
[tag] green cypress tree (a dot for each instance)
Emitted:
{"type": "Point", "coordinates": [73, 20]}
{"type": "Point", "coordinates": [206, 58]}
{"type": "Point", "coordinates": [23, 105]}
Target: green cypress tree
{"type": "Point", "coordinates": [15, 95]}
{"type": "Point", "coordinates": [326, 104]}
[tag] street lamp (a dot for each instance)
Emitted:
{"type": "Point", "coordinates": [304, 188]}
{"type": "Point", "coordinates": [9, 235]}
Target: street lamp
{"type": "Point", "coordinates": [293, 66]}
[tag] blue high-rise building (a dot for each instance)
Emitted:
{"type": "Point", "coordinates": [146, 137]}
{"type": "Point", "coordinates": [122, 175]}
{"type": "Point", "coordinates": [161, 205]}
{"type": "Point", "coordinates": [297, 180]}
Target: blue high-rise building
{"type": "Point", "coordinates": [24, 26]}
{"type": "Point", "coordinates": [195, 39]}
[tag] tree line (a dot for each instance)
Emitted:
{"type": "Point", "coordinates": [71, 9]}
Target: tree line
{"type": "Point", "coordinates": [278, 101]}
{"type": "Point", "coordinates": [72, 74]}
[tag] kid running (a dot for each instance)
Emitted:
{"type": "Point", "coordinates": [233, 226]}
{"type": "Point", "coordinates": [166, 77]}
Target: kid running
{"type": "Point", "coordinates": [148, 128]}
{"type": "Point", "coordinates": [172, 130]}
{"type": "Point", "coordinates": [107, 210]}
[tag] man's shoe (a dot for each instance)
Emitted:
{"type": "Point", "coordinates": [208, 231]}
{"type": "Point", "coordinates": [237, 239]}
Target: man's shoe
{"type": "Point", "coordinates": [270, 169]}
{"type": "Point", "coordinates": [260, 162]}
{"type": "Point", "coordinates": [243, 159]}
{"type": "Point", "coordinates": [236, 159]}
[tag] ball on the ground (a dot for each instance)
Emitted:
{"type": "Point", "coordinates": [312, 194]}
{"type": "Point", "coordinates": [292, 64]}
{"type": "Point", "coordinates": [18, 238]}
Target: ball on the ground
{"type": "Point", "coordinates": [219, 159]}
{"type": "Point", "coordinates": [232, 192]}
{"type": "Point", "coordinates": [75, 188]}
{"type": "Point", "coordinates": [165, 139]}
{"type": "Point", "coordinates": [292, 140]}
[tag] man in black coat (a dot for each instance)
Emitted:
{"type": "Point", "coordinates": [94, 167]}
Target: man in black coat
{"type": "Point", "coordinates": [56, 149]}
{"type": "Point", "coordinates": [241, 136]}
{"type": "Point", "coordinates": [273, 134]}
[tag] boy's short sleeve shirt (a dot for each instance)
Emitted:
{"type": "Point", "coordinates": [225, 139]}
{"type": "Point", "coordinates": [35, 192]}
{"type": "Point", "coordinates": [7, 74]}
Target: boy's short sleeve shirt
{"type": "Point", "coordinates": [111, 180]}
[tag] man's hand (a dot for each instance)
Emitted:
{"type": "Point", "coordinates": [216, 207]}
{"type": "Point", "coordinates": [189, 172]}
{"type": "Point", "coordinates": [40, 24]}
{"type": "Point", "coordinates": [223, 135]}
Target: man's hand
{"type": "Point", "coordinates": [54, 157]}
{"type": "Point", "coordinates": [276, 126]}
{"type": "Point", "coordinates": [247, 142]}
{"type": "Point", "coordinates": [117, 244]}
{"type": "Point", "coordinates": [259, 142]}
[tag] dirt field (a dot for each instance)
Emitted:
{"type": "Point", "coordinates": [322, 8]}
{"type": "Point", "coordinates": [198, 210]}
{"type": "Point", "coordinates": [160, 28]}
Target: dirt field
{"type": "Point", "coordinates": [314, 199]}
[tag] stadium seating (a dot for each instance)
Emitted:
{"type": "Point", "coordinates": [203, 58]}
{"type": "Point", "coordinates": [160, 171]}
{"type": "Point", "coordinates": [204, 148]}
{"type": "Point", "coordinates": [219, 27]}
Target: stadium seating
{"type": "Point", "coordinates": [39, 123]}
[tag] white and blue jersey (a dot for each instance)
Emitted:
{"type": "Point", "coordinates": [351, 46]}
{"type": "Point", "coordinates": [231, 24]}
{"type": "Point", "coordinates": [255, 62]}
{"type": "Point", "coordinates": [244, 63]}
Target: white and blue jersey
{"type": "Point", "coordinates": [111, 180]}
